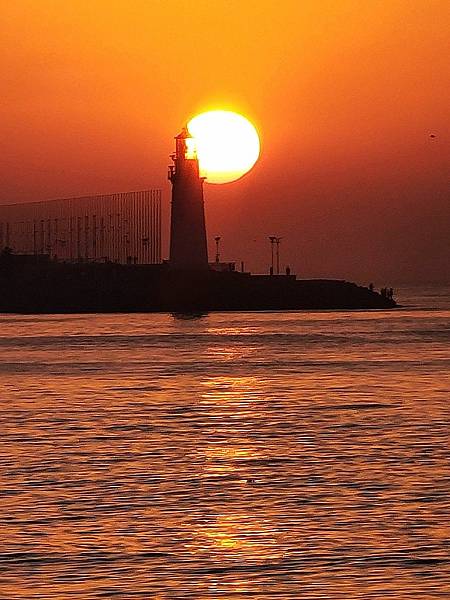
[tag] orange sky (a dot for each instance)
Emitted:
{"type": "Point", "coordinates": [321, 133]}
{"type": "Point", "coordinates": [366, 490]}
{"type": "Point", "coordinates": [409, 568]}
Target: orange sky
{"type": "Point", "coordinates": [345, 94]}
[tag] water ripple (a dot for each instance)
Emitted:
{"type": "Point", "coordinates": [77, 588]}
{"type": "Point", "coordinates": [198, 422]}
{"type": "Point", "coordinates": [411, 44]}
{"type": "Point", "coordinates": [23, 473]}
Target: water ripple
{"type": "Point", "coordinates": [294, 455]}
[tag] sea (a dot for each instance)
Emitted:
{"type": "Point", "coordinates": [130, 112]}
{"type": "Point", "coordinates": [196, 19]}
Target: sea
{"type": "Point", "coordinates": [275, 455]}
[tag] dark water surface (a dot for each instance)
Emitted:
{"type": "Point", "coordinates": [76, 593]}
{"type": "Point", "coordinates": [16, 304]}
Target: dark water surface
{"type": "Point", "coordinates": [274, 455]}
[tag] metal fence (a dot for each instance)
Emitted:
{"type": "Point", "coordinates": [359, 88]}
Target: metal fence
{"type": "Point", "coordinates": [123, 228]}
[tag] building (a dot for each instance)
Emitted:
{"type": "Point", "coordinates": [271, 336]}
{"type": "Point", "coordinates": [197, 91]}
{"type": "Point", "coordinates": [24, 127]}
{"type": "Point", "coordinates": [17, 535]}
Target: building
{"type": "Point", "coordinates": [123, 228]}
{"type": "Point", "coordinates": [188, 246]}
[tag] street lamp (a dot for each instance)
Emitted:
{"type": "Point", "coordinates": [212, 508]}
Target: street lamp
{"type": "Point", "coordinates": [272, 239]}
{"type": "Point", "coordinates": [277, 242]}
{"type": "Point", "coordinates": [217, 240]}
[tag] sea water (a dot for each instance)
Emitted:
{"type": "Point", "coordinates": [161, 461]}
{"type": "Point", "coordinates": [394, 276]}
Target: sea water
{"type": "Point", "coordinates": [245, 455]}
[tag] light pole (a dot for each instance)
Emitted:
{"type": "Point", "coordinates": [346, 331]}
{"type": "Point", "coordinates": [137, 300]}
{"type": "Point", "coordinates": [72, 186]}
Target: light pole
{"type": "Point", "coordinates": [277, 241]}
{"type": "Point", "coordinates": [217, 240]}
{"type": "Point", "coordinates": [272, 239]}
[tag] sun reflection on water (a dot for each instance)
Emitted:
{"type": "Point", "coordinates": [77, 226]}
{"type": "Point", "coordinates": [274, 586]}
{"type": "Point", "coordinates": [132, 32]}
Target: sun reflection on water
{"type": "Point", "coordinates": [228, 460]}
{"type": "Point", "coordinates": [244, 537]}
{"type": "Point", "coordinates": [223, 390]}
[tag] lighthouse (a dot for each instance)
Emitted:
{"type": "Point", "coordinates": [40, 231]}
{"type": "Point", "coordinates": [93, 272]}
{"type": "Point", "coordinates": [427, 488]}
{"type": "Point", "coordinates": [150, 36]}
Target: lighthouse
{"type": "Point", "coordinates": [188, 246]}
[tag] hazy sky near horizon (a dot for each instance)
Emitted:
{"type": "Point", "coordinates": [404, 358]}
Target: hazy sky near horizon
{"type": "Point", "coordinates": [345, 95]}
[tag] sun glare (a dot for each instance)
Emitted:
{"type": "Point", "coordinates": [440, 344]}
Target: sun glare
{"type": "Point", "coordinates": [227, 145]}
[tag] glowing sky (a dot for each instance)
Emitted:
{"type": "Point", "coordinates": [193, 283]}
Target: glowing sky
{"type": "Point", "coordinates": [344, 95]}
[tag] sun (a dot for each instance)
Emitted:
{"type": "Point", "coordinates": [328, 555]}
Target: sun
{"type": "Point", "coordinates": [227, 145]}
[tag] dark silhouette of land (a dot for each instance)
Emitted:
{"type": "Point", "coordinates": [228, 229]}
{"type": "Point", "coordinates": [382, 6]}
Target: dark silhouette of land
{"type": "Point", "coordinates": [30, 284]}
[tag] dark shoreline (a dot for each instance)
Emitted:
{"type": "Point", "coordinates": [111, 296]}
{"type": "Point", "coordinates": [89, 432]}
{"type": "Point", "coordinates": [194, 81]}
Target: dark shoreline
{"type": "Point", "coordinates": [50, 287]}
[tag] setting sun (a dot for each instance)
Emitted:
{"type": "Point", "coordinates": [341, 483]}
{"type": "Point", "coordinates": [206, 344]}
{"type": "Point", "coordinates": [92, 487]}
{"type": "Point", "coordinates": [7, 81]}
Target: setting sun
{"type": "Point", "coordinates": [227, 145]}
